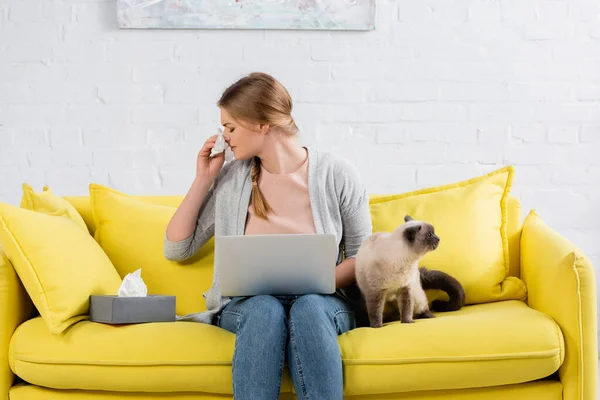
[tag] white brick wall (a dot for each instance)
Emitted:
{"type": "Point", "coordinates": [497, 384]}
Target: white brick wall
{"type": "Point", "coordinates": [442, 90]}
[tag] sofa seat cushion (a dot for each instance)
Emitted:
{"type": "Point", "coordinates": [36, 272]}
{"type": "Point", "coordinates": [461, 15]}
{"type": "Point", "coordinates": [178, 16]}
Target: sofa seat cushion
{"type": "Point", "coordinates": [477, 346]}
{"type": "Point", "coordinates": [482, 345]}
{"type": "Point", "coordinates": [157, 357]}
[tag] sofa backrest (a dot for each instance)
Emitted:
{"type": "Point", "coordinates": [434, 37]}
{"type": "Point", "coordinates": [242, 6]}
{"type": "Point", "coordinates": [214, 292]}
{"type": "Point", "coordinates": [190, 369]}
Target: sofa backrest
{"type": "Point", "coordinates": [514, 220]}
{"type": "Point", "coordinates": [189, 283]}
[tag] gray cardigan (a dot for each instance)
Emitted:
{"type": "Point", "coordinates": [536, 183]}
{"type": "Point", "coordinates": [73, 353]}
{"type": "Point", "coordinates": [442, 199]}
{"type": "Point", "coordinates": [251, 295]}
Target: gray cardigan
{"type": "Point", "coordinates": [339, 202]}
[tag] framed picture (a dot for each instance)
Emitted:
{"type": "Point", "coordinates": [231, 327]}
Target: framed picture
{"type": "Point", "coordinates": [247, 14]}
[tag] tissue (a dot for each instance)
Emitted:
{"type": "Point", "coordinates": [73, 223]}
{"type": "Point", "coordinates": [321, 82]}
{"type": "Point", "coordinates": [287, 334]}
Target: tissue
{"type": "Point", "coordinates": [133, 285]}
{"type": "Point", "coordinates": [220, 144]}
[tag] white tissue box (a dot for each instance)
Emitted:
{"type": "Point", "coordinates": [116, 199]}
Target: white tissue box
{"type": "Point", "coordinates": [132, 310]}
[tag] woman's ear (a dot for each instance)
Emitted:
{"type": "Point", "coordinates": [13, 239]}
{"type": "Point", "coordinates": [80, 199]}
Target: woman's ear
{"type": "Point", "coordinates": [264, 128]}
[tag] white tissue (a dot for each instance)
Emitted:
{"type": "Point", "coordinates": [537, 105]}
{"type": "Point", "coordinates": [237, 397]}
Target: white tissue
{"type": "Point", "coordinates": [133, 285]}
{"type": "Point", "coordinates": [229, 155]}
{"type": "Point", "coordinates": [220, 144]}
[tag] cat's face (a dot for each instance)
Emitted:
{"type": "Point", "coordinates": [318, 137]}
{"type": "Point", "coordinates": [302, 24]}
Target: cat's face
{"type": "Point", "coordinates": [419, 236]}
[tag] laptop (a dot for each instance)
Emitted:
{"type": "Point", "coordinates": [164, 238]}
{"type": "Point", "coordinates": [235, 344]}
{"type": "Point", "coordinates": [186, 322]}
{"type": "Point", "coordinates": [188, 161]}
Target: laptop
{"type": "Point", "coordinates": [289, 264]}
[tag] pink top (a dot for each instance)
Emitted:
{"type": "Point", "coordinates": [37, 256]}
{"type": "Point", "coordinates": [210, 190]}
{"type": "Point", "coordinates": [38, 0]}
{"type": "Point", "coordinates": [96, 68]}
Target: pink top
{"type": "Point", "coordinates": [288, 198]}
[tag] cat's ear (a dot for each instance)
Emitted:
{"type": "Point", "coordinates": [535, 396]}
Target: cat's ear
{"type": "Point", "coordinates": [407, 218]}
{"type": "Point", "coordinates": [410, 234]}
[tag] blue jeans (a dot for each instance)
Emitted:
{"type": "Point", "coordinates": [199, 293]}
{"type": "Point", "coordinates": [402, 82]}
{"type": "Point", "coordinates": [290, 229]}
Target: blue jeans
{"type": "Point", "coordinates": [305, 328]}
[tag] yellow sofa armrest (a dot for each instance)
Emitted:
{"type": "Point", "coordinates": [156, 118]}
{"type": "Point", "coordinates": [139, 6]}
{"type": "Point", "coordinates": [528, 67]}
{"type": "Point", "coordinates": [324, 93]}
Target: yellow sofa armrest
{"type": "Point", "coordinates": [561, 283]}
{"type": "Point", "coordinates": [15, 308]}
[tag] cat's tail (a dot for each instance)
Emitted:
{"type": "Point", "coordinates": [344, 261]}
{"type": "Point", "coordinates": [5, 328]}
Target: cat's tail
{"type": "Point", "coordinates": [434, 279]}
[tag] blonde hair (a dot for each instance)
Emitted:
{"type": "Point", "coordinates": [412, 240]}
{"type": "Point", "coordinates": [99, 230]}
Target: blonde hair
{"type": "Point", "coordinates": [259, 98]}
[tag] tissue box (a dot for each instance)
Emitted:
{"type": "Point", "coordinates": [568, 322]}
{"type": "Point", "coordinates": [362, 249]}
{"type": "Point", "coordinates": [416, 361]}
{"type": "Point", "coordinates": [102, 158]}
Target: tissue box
{"type": "Point", "coordinates": [132, 310]}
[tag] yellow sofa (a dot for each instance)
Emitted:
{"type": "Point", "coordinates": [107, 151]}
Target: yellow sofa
{"type": "Point", "coordinates": [541, 347]}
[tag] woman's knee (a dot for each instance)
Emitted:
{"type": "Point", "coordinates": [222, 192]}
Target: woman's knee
{"type": "Point", "coordinates": [310, 302]}
{"type": "Point", "coordinates": [263, 313]}
{"type": "Point", "coordinates": [326, 311]}
{"type": "Point", "coordinates": [310, 307]}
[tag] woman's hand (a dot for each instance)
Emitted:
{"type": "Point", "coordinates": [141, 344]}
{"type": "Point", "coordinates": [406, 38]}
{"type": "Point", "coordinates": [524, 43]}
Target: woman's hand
{"type": "Point", "coordinates": [208, 168]}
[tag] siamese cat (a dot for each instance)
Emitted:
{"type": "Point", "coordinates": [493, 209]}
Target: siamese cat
{"type": "Point", "coordinates": [387, 272]}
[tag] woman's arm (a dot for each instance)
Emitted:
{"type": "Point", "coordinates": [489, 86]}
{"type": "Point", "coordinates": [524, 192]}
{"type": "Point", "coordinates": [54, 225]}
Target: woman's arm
{"type": "Point", "coordinates": [192, 224]}
{"type": "Point", "coordinates": [344, 273]}
{"type": "Point", "coordinates": [356, 221]}
{"type": "Point", "coordinates": [183, 223]}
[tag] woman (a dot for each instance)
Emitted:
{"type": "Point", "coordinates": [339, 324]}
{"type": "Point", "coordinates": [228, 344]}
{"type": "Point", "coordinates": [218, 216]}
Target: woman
{"type": "Point", "coordinates": [275, 185]}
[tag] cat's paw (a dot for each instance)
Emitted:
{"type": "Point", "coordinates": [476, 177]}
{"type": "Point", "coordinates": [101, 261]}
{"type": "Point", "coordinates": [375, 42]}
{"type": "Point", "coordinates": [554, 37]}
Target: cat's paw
{"type": "Point", "coordinates": [376, 323]}
{"type": "Point", "coordinates": [425, 314]}
{"type": "Point", "coordinates": [407, 320]}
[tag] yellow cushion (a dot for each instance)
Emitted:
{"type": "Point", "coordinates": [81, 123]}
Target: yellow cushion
{"type": "Point", "coordinates": [59, 264]}
{"type": "Point", "coordinates": [182, 356]}
{"type": "Point", "coordinates": [84, 208]}
{"type": "Point", "coordinates": [537, 390]}
{"type": "Point", "coordinates": [46, 202]}
{"type": "Point", "coordinates": [514, 226]}
{"type": "Point", "coordinates": [483, 345]}
{"type": "Point", "coordinates": [131, 232]}
{"type": "Point", "coordinates": [471, 219]}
